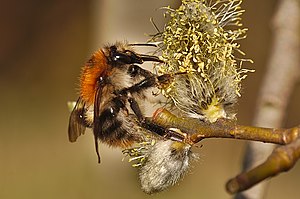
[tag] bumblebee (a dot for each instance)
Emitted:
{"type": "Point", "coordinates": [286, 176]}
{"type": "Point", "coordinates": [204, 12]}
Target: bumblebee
{"type": "Point", "coordinates": [111, 83]}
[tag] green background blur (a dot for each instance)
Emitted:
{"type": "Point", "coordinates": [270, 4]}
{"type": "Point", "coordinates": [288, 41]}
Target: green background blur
{"type": "Point", "coordinates": [44, 44]}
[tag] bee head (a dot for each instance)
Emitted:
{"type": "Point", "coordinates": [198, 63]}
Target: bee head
{"type": "Point", "coordinates": [120, 54]}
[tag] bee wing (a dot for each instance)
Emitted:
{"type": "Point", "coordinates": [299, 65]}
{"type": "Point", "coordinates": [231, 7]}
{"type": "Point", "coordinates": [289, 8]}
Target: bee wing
{"type": "Point", "coordinates": [76, 121]}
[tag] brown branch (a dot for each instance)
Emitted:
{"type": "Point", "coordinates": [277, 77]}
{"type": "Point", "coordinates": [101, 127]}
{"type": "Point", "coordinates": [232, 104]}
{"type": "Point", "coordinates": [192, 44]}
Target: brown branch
{"type": "Point", "coordinates": [282, 74]}
{"type": "Point", "coordinates": [282, 159]}
{"type": "Point", "coordinates": [223, 128]}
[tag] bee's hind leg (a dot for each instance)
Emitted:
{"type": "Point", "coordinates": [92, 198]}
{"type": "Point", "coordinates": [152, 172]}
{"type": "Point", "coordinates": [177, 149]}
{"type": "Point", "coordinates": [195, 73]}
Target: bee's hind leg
{"type": "Point", "coordinates": [168, 133]}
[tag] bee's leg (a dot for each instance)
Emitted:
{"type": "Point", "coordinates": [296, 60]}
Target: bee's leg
{"type": "Point", "coordinates": [149, 82]}
{"type": "Point", "coordinates": [169, 133]}
{"type": "Point", "coordinates": [136, 109]}
{"type": "Point", "coordinates": [146, 83]}
{"type": "Point", "coordinates": [143, 122]}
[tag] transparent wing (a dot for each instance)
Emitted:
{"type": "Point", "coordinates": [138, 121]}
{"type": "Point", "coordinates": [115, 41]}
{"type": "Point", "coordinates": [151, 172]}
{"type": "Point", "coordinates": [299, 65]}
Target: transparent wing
{"type": "Point", "coordinates": [76, 121]}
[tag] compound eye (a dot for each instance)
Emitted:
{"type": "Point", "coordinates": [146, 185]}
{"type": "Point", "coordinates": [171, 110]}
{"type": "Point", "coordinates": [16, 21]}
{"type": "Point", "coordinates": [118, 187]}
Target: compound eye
{"type": "Point", "coordinates": [121, 58]}
{"type": "Point", "coordinates": [132, 57]}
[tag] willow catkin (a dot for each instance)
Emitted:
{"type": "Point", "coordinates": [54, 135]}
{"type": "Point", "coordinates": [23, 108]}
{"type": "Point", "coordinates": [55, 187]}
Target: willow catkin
{"type": "Point", "coordinates": [201, 39]}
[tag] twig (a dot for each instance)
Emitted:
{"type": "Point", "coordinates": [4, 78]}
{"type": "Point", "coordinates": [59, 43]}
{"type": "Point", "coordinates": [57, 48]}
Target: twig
{"type": "Point", "coordinates": [282, 74]}
{"type": "Point", "coordinates": [282, 159]}
{"type": "Point", "coordinates": [223, 128]}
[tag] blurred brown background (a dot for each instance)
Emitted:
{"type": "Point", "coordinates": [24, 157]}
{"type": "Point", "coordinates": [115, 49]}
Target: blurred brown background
{"type": "Point", "coordinates": [44, 44]}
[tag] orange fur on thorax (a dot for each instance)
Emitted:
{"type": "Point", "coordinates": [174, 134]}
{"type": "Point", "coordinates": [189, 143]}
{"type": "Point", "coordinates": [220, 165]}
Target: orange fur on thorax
{"type": "Point", "coordinates": [97, 66]}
